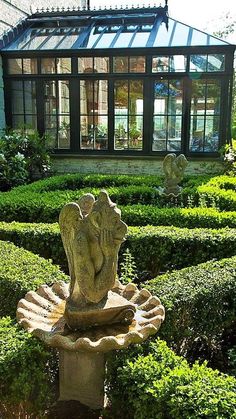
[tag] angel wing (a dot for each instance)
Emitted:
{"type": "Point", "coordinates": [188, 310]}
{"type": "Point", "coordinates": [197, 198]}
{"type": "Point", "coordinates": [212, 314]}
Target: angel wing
{"type": "Point", "coordinates": [69, 221]}
{"type": "Point", "coordinates": [168, 164]}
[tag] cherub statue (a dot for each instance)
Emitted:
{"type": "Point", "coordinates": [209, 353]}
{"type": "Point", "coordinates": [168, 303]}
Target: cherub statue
{"type": "Point", "coordinates": [92, 232]}
{"type": "Point", "coordinates": [174, 168]}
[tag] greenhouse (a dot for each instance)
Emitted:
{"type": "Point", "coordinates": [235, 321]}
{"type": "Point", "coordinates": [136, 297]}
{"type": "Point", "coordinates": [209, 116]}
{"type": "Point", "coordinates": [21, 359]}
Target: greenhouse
{"type": "Point", "coordinates": [121, 82]}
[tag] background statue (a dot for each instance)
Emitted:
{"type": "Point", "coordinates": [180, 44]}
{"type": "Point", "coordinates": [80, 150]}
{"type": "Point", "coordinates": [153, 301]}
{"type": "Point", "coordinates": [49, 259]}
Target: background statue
{"type": "Point", "coordinates": [92, 232]}
{"type": "Point", "coordinates": [174, 168]}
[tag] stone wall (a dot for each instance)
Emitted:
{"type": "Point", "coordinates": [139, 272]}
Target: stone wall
{"type": "Point", "coordinates": [2, 111]}
{"type": "Point", "coordinates": [128, 165]}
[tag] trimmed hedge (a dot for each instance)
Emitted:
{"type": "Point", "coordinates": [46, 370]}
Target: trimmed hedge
{"type": "Point", "coordinates": [222, 189]}
{"type": "Point", "coordinates": [20, 272]}
{"type": "Point", "coordinates": [151, 382]}
{"type": "Point", "coordinates": [154, 249]}
{"type": "Point", "coordinates": [200, 303]}
{"type": "Point", "coordinates": [27, 373]}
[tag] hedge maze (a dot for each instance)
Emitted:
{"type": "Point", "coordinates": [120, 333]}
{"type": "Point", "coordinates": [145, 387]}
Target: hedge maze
{"type": "Point", "coordinates": [185, 252]}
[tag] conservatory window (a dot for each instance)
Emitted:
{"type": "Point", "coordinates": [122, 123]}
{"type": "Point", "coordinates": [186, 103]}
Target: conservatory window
{"type": "Point", "coordinates": [207, 63]}
{"type": "Point", "coordinates": [128, 97]}
{"type": "Point", "coordinates": [55, 65]}
{"type": "Point", "coordinates": [205, 116]}
{"type": "Point", "coordinates": [57, 112]}
{"type": "Point", "coordinates": [134, 64]}
{"type": "Point", "coordinates": [22, 66]}
{"type": "Point", "coordinates": [167, 120]}
{"type": "Point", "coordinates": [94, 114]}
{"type": "Point", "coordinates": [172, 63]}
{"type": "Point", "coordinates": [93, 65]}
{"type": "Point", "coordinates": [23, 99]}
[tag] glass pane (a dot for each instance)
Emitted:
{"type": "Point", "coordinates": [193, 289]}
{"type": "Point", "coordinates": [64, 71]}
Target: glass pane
{"type": "Point", "coordinates": [50, 97]}
{"type": "Point", "coordinates": [174, 133]}
{"type": "Point", "coordinates": [159, 133]}
{"type": "Point", "coordinates": [137, 64]}
{"type": "Point", "coordinates": [31, 122]}
{"type": "Point", "coordinates": [198, 63]}
{"type": "Point", "coordinates": [101, 64]}
{"type": "Point", "coordinates": [198, 96]}
{"type": "Point", "coordinates": [120, 64]}
{"type": "Point", "coordinates": [216, 62]}
{"type": "Point", "coordinates": [18, 121]}
{"type": "Point", "coordinates": [180, 35]}
{"type": "Point", "coordinates": [14, 66]}
{"type": "Point", "coordinates": [101, 132]}
{"type": "Point", "coordinates": [121, 97]}
{"type": "Point", "coordinates": [51, 121]}
{"type": "Point", "coordinates": [63, 131]}
{"type": "Point", "coordinates": [163, 35]}
{"type": "Point", "coordinates": [199, 38]}
{"type": "Point", "coordinates": [101, 96]}
{"type": "Point", "coordinates": [106, 40]}
{"type": "Point", "coordinates": [63, 96]}
{"type": "Point", "coordinates": [213, 97]}
{"type": "Point", "coordinates": [160, 64]}
{"type": "Point", "coordinates": [17, 97]}
{"type": "Point", "coordinates": [48, 65]}
{"type": "Point", "coordinates": [136, 97]}
{"type": "Point", "coordinates": [85, 65]}
{"type": "Point", "coordinates": [212, 134]}
{"type": "Point", "coordinates": [51, 137]}
{"type": "Point", "coordinates": [161, 91]}
{"type": "Point", "coordinates": [175, 97]}
{"type": "Point", "coordinates": [36, 41]}
{"type": "Point", "coordinates": [121, 132]}
{"type": "Point", "coordinates": [30, 96]}
{"type": "Point", "coordinates": [197, 133]}
{"type": "Point", "coordinates": [70, 39]}
{"type": "Point", "coordinates": [86, 132]}
{"type": "Point", "coordinates": [177, 63]}
{"type": "Point", "coordinates": [123, 40]}
{"type": "Point", "coordinates": [63, 65]}
{"type": "Point", "coordinates": [140, 39]}
{"type": "Point", "coordinates": [136, 132]}
{"type": "Point", "coordinates": [93, 36]}
{"type": "Point", "coordinates": [30, 66]}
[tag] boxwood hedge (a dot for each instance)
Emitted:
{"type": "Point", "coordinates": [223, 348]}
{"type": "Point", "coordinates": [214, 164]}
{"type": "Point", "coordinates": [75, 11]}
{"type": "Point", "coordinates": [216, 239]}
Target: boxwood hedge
{"type": "Point", "coordinates": [154, 249]}
{"type": "Point", "coordinates": [151, 382]}
{"type": "Point", "coordinates": [28, 373]}
{"type": "Point", "coordinates": [22, 271]}
{"type": "Point", "coordinates": [200, 303]}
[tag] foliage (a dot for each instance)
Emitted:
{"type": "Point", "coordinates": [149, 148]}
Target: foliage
{"type": "Point", "coordinates": [128, 268]}
{"type": "Point", "coordinates": [200, 303]}
{"type": "Point", "coordinates": [151, 382]}
{"type": "Point", "coordinates": [22, 156]}
{"type": "Point", "coordinates": [229, 153]}
{"type": "Point", "coordinates": [154, 249]}
{"type": "Point", "coordinates": [22, 271]}
{"type": "Point", "coordinates": [27, 373]}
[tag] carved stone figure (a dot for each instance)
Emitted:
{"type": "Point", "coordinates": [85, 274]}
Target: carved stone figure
{"type": "Point", "coordinates": [92, 232]}
{"type": "Point", "coordinates": [174, 168]}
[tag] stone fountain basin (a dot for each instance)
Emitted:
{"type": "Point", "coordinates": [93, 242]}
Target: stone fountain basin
{"type": "Point", "coordinates": [42, 314]}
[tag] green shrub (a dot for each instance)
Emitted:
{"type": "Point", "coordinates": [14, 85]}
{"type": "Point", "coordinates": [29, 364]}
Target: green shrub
{"type": "Point", "coordinates": [222, 189]}
{"type": "Point", "coordinates": [27, 373]}
{"type": "Point", "coordinates": [154, 249]}
{"type": "Point", "coordinates": [200, 303]}
{"type": "Point", "coordinates": [151, 382]}
{"type": "Point", "coordinates": [22, 155]}
{"type": "Point", "coordinates": [20, 272]}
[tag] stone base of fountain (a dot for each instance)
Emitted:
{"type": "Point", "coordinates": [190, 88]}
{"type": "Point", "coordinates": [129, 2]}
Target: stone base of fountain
{"type": "Point", "coordinates": [112, 309]}
{"type": "Point", "coordinates": [174, 191]}
{"type": "Point", "coordinates": [82, 377]}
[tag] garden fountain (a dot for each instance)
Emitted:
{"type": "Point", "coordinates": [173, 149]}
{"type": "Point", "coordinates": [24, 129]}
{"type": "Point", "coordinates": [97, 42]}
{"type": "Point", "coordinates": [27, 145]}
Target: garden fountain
{"type": "Point", "coordinates": [95, 313]}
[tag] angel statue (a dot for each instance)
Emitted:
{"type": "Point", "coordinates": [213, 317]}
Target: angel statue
{"type": "Point", "coordinates": [92, 232]}
{"type": "Point", "coordinates": [174, 168]}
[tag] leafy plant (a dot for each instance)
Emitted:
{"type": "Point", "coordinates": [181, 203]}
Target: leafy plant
{"type": "Point", "coordinates": [128, 268]}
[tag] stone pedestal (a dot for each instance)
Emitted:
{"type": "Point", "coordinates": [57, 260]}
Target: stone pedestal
{"type": "Point", "coordinates": [82, 377]}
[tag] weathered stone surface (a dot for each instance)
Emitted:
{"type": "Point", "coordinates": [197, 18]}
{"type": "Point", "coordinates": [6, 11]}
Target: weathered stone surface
{"type": "Point", "coordinates": [92, 232]}
{"type": "Point", "coordinates": [174, 168]}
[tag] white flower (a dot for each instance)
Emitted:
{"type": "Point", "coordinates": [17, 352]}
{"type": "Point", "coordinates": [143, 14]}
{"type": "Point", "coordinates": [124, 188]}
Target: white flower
{"type": "Point", "coordinates": [20, 156]}
{"type": "Point", "coordinates": [2, 158]}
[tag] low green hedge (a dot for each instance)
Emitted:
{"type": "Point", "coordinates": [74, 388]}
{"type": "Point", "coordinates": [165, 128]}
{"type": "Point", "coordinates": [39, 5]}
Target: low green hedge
{"type": "Point", "coordinates": [154, 249]}
{"type": "Point", "coordinates": [20, 272]}
{"type": "Point", "coordinates": [200, 303]}
{"type": "Point", "coordinates": [27, 373]}
{"type": "Point", "coordinates": [151, 382]}
{"type": "Point", "coordinates": [222, 190]}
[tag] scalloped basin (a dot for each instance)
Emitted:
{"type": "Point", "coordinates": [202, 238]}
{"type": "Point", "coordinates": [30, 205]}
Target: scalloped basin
{"type": "Point", "coordinates": [42, 313]}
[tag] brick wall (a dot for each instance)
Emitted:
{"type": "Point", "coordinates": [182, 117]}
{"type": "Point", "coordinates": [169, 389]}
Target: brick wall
{"type": "Point", "coordinates": [129, 165]}
{"type": "Point", "coordinates": [2, 112]}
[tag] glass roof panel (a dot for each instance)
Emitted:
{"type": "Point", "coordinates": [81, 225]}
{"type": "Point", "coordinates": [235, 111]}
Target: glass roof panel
{"type": "Point", "coordinates": [21, 41]}
{"type": "Point", "coordinates": [163, 35]}
{"type": "Point", "coordinates": [140, 39]}
{"type": "Point", "coordinates": [106, 40]}
{"type": "Point", "coordinates": [57, 37]}
{"type": "Point", "coordinates": [93, 37]}
{"type": "Point", "coordinates": [180, 36]}
{"type": "Point", "coordinates": [123, 40]}
{"type": "Point", "coordinates": [69, 39]}
{"type": "Point", "coordinates": [199, 38]}
{"type": "Point", "coordinates": [36, 40]}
